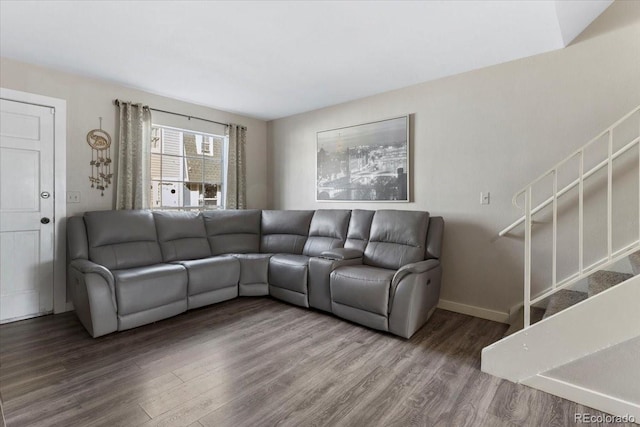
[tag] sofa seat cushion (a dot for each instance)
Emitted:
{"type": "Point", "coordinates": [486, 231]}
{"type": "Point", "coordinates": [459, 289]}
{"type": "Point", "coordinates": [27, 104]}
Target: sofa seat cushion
{"type": "Point", "coordinates": [143, 288]}
{"type": "Point", "coordinates": [362, 287]}
{"type": "Point", "coordinates": [289, 272]}
{"type": "Point", "coordinates": [210, 274]}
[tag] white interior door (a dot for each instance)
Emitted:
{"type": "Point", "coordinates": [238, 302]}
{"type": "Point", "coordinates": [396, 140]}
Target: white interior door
{"type": "Point", "coordinates": [26, 210]}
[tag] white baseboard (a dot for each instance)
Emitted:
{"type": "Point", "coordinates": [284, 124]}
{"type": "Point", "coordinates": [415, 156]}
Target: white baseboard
{"type": "Point", "coordinates": [584, 396]}
{"type": "Point", "coordinates": [472, 310]}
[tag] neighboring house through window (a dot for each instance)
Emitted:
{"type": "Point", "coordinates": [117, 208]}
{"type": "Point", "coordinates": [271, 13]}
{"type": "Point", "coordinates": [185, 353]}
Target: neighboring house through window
{"type": "Point", "coordinates": [187, 169]}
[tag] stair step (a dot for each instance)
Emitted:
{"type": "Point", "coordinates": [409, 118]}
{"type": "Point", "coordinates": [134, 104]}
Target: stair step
{"type": "Point", "coordinates": [518, 322]}
{"type": "Point", "coordinates": [563, 299]}
{"type": "Point", "coordinates": [634, 259]}
{"type": "Point", "coordinates": [603, 280]}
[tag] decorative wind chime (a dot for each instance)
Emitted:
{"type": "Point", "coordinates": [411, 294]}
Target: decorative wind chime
{"type": "Point", "coordinates": [100, 143]}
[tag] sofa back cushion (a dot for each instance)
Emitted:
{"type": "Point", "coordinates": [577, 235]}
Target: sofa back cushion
{"type": "Point", "coordinates": [396, 238]}
{"type": "Point", "coordinates": [359, 228]}
{"type": "Point", "coordinates": [233, 231]}
{"type": "Point", "coordinates": [181, 235]}
{"type": "Point", "coordinates": [285, 231]}
{"type": "Point", "coordinates": [122, 239]}
{"type": "Point", "coordinates": [328, 230]}
{"type": "Point", "coordinates": [434, 238]}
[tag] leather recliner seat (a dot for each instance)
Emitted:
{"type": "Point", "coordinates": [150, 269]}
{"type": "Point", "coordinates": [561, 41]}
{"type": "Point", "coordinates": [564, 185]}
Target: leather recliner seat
{"type": "Point", "coordinates": [394, 257]}
{"type": "Point", "coordinates": [289, 272]}
{"type": "Point", "coordinates": [183, 240]}
{"type": "Point", "coordinates": [377, 268]}
{"type": "Point", "coordinates": [238, 233]}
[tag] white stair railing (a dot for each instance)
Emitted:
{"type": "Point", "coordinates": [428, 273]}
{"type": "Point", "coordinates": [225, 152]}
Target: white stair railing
{"type": "Point", "coordinates": [530, 211]}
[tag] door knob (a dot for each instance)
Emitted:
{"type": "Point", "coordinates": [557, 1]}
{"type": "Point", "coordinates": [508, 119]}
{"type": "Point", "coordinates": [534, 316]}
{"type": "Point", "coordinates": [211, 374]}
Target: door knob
{"type": "Point", "coordinates": [45, 220]}
{"type": "Point", "coordinates": [45, 194]}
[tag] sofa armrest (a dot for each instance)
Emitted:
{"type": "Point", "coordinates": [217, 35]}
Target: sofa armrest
{"type": "Point", "coordinates": [342, 254]}
{"type": "Point", "coordinates": [93, 293]}
{"type": "Point", "coordinates": [414, 295]}
{"type": "Point", "coordinates": [414, 268]}
{"type": "Point", "coordinates": [85, 266]}
{"type": "Point", "coordinates": [419, 268]}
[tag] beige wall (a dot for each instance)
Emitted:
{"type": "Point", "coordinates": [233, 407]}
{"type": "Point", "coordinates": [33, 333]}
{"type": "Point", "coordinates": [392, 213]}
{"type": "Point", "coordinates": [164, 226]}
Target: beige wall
{"type": "Point", "coordinates": [87, 99]}
{"type": "Point", "coordinates": [493, 129]}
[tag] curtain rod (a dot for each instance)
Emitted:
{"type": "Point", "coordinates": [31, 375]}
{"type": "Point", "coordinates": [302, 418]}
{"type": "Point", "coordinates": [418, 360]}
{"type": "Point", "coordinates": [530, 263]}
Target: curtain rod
{"type": "Point", "coordinates": [117, 102]}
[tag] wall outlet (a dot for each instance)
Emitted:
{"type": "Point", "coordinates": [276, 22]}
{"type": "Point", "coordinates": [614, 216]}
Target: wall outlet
{"type": "Point", "coordinates": [485, 198]}
{"type": "Point", "coordinates": [73, 197]}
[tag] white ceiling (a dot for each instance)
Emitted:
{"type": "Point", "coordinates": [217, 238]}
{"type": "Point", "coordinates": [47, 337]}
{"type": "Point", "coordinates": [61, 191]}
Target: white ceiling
{"type": "Point", "coordinates": [270, 59]}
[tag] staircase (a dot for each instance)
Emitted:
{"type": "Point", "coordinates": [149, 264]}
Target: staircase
{"type": "Point", "coordinates": [592, 313]}
{"type": "Point", "coordinates": [598, 282]}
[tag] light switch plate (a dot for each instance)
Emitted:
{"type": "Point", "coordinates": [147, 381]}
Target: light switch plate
{"type": "Point", "coordinates": [73, 197]}
{"type": "Point", "coordinates": [485, 198]}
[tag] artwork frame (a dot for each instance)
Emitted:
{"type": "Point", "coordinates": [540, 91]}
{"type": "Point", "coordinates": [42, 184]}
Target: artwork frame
{"type": "Point", "coordinates": [367, 162]}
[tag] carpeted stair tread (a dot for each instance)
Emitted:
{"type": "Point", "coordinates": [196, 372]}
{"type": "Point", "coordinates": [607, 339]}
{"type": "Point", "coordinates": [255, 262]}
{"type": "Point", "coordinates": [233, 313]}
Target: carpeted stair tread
{"type": "Point", "coordinates": [563, 299]}
{"type": "Point", "coordinates": [518, 322]}
{"type": "Point", "coordinates": [603, 280]}
{"type": "Point", "coordinates": [634, 259]}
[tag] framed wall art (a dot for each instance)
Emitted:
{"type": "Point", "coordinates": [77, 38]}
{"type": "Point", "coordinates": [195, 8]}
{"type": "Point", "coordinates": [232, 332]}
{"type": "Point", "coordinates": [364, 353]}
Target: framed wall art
{"type": "Point", "coordinates": [367, 162]}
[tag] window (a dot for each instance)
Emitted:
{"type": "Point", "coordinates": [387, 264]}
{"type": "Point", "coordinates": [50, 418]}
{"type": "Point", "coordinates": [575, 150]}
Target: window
{"type": "Point", "coordinates": [187, 169]}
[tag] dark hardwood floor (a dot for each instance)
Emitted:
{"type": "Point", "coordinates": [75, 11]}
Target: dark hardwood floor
{"type": "Point", "coordinates": [260, 362]}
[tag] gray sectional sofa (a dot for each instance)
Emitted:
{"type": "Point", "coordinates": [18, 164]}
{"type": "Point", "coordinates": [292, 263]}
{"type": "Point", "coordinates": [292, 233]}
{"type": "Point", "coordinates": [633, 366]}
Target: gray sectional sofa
{"type": "Point", "coordinates": [380, 268]}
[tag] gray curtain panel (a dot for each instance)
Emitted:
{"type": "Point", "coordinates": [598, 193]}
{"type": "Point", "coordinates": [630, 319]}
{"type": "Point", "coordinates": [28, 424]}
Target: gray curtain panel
{"type": "Point", "coordinates": [236, 182]}
{"type": "Point", "coordinates": [132, 185]}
